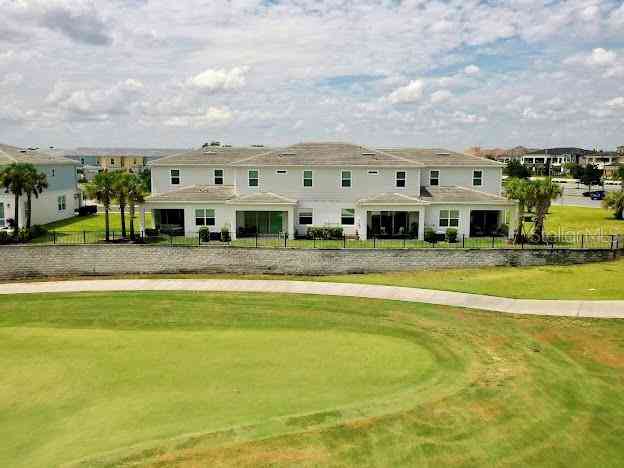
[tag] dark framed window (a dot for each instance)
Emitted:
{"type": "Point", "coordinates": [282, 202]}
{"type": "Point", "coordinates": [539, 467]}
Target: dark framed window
{"type": "Point", "coordinates": [175, 176]}
{"type": "Point", "coordinates": [449, 218]}
{"type": "Point", "coordinates": [204, 217]}
{"type": "Point", "coordinates": [307, 178]}
{"type": "Point", "coordinates": [477, 178]}
{"type": "Point", "coordinates": [434, 177]}
{"type": "Point", "coordinates": [252, 179]}
{"type": "Point", "coordinates": [401, 179]}
{"type": "Point", "coordinates": [347, 216]}
{"type": "Point", "coordinates": [218, 176]}
{"type": "Point", "coordinates": [345, 177]}
{"type": "Point", "coordinates": [305, 217]}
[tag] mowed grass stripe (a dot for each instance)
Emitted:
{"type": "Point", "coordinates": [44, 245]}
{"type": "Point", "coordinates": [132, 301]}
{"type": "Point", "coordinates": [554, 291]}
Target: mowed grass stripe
{"type": "Point", "coordinates": [214, 379]}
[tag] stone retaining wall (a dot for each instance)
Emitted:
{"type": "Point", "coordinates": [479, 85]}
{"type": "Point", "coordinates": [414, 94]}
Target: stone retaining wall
{"type": "Point", "coordinates": [61, 260]}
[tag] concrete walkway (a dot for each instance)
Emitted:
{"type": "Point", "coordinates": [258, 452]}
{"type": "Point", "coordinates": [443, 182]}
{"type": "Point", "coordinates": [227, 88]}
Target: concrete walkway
{"type": "Point", "coordinates": [594, 309]}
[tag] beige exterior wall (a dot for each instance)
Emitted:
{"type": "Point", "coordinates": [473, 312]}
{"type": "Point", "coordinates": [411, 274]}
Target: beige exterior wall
{"type": "Point", "coordinates": [118, 163]}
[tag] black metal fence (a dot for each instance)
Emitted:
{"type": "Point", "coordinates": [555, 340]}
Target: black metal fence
{"type": "Point", "coordinates": [569, 241]}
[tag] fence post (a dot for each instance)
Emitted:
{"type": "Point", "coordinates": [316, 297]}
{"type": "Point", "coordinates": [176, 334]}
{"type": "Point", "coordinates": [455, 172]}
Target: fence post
{"type": "Point", "coordinates": [374, 242]}
{"type": "Point", "coordinates": [344, 241]}
{"type": "Point", "coordinates": [170, 239]}
{"type": "Point", "coordinates": [492, 241]}
{"type": "Point", "coordinates": [582, 241]}
{"type": "Point", "coordinates": [612, 242]}
{"type": "Point", "coordinates": [54, 237]}
{"type": "Point", "coordinates": [285, 240]}
{"type": "Point", "coordinates": [463, 241]}
{"type": "Point", "coordinates": [314, 242]}
{"type": "Point", "coordinates": [199, 238]}
{"type": "Point", "coordinates": [84, 237]}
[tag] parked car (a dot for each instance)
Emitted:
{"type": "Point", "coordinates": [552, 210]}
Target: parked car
{"type": "Point", "coordinates": [597, 195]}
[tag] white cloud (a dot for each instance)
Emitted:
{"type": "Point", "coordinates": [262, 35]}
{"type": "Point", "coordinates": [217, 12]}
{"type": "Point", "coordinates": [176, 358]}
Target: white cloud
{"type": "Point", "coordinates": [211, 117]}
{"type": "Point", "coordinates": [472, 70]}
{"type": "Point", "coordinates": [440, 96]}
{"type": "Point", "coordinates": [406, 94]}
{"type": "Point", "coordinates": [11, 80]}
{"type": "Point", "coordinates": [616, 102]}
{"type": "Point", "coordinates": [602, 56]}
{"type": "Point", "coordinates": [220, 79]}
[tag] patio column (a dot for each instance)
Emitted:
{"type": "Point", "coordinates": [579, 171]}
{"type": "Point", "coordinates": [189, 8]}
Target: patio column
{"type": "Point", "coordinates": [142, 219]}
{"type": "Point", "coordinates": [361, 219]}
{"type": "Point", "coordinates": [513, 220]}
{"type": "Point", "coordinates": [291, 222]}
{"type": "Point", "coordinates": [421, 223]}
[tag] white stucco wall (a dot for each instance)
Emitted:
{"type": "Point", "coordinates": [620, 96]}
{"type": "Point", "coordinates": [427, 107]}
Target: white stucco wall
{"type": "Point", "coordinates": [462, 176]}
{"type": "Point", "coordinates": [44, 209]}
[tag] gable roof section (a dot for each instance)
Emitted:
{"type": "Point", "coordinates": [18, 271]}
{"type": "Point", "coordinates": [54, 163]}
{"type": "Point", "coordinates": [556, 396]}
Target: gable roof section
{"type": "Point", "coordinates": [455, 194]}
{"type": "Point", "coordinates": [209, 156]}
{"type": "Point", "coordinates": [440, 157]}
{"type": "Point", "coordinates": [327, 154]}
{"type": "Point", "coordinates": [12, 154]}
{"type": "Point", "coordinates": [392, 199]}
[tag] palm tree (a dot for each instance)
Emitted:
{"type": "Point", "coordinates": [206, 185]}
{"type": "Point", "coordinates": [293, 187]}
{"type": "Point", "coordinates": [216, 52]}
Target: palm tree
{"type": "Point", "coordinates": [619, 174]}
{"type": "Point", "coordinates": [122, 180]}
{"type": "Point", "coordinates": [520, 190]}
{"type": "Point", "coordinates": [136, 195]}
{"type": "Point", "coordinates": [102, 188]}
{"type": "Point", "coordinates": [615, 201]}
{"type": "Point", "coordinates": [37, 182]}
{"type": "Point", "coordinates": [542, 193]}
{"type": "Point", "coordinates": [14, 179]}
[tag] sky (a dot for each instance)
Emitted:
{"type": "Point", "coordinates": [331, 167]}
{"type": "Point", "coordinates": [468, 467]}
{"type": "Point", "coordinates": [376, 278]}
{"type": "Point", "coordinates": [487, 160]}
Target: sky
{"type": "Point", "coordinates": [453, 73]}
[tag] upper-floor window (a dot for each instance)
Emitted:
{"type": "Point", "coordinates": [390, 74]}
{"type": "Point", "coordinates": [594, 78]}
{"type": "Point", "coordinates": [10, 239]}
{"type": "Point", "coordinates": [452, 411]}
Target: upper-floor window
{"type": "Point", "coordinates": [400, 179]}
{"type": "Point", "coordinates": [373, 172]}
{"type": "Point", "coordinates": [449, 218]}
{"type": "Point", "coordinates": [175, 176]}
{"type": "Point", "coordinates": [252, 179]}
{"type": "Point", "coordinates": [82, 161]}
{"type": "Point", "coordinates": [218, 176]}
{"type": "Point", "coordinates": [477, 178]}
{"type": "Point", "coordinates": [53, 172]}
{"type": "Point", "coordinates": [112, 162]}
{"type": "Point", "coordinates": [347, 216]}
{"type": "Point", "coordinates": [434, 177]}
{"type": "Point", "coordinates": [204, 217]}
{"type": "Point", "coordinates": [307, 178]}
{"type": "Point", "coordinates": [61, 203]}
{"type": "Point", "coordinates": [345, 177]}
{"type": "Point", "coordinates": [305, 217]}
{"type": "Point", "coordinates": [281, 172]}
{"type": "Point", "coordinates": [2, 218]}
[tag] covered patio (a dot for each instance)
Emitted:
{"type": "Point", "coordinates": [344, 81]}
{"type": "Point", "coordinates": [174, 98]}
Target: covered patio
{"type": "Point", "coordinates": [391, 215]}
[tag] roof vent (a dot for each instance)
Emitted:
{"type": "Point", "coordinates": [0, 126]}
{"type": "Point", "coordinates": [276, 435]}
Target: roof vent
{"type": "Point", "coordinates": [210, 152]}
{"type": "Point", "coordinates": [369, 154]}
{"type": "Point", "coordinates": [443, 154]}
{"type": "Point", "coordinates": [288, 154]}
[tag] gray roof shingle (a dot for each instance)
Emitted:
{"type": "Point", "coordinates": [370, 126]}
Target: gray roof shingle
{"type": "Point", "coordinates": [440, 157]}
{"type": "Point", "coordinates": [12, 154]}
{"type": "Point", "coordinates": [195, 193]}
{"type": "Point", "coordinates": [392, 199]}
{"type": "Point", "coordinates": [327, 154]}
{"type": "Point", "coordinates": [455, 194]}
{"type": "Point", "coordinates": [209, 156]}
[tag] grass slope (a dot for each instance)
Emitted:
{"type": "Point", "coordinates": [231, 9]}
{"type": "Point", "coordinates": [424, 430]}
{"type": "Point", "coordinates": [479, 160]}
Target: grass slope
{"type": "Point", "coordinates": [180, 379]}
{"type": "Point", "coordinates": [97, 223]}
{"type": "Point", "coordinates": [578, 220]}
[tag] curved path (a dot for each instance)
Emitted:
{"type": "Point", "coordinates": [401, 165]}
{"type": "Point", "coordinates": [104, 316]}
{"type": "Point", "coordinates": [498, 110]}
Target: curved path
{"type": "Point", "coordinates": [594, 309]}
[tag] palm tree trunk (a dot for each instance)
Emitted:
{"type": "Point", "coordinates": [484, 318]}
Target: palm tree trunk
{"type": "Point", "coordinates": [28, 210]}
{"type": "Point", "coordinates": [122, 208]}
{"type": "Point", "coordinates": [16, 216]}
{"type": "Point", "coordinates": [131, 209]}
{"type": "Point", "coordinates": [106, 222]}
{"type": "Point", "coordinates": [540, 214]}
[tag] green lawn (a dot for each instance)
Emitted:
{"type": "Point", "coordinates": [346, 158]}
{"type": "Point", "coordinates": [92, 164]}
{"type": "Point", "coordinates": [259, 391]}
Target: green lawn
{"type": "Point", "coordinates": [97, 223]}
{"type": "Point", "coordinates": [214, 379]}
{"type": "Point", "coordinates": [573, 220]}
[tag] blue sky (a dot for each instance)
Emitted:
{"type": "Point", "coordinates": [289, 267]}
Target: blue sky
{"type": "Point", "coordinates": [453, 73]}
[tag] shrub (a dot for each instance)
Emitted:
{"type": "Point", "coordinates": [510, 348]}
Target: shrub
{"type": "Point", "coordinates": [87, 210]}
{"type": "Point", "coordinates": [325, 232]}
{"type": "Point", "coordinates": [430, 235]}
{"type": "Point", "coordinates": [451, 235]}
{"type": "Point", "coordinates": [5, 237]}
{"type": "Point", "coordinates": [413, 230]}
{"type": "Point", "coordinates": [225, 234]}
{"type": "Point", "coordinates": [204, 234]}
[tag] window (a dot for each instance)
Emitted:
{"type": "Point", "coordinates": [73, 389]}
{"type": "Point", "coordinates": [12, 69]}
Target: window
{"type": "Point", "coordinates": [281, 172]}
{"type": "Point", "coordinates": [400, 179]}
{"type": "Point", "coordinates": [2, 218]}
{"type": "Point", "coordinates": [253, 178]}
{"type": "Point", "coordinates": [53, 172]}
{"type": "Point", "coordinates": [61, 202]}
{"type": "Point", "coordinates": [347, 216]}
{"type": "Point", "coordinates": [449, 218]}
{"type": "Point", "coordinates": [175, 176]}
{"type": "Point", "coordinates": [373, 172]}
{"type": "Point", "coordinates": [346, 178]}
{"type": "Point", "coordinates": [218, 176]}
{"type": "Point", "coordinates": [307, 178]}
{"type": "Point", "coordinates": [204, 217]}
{"type": "Point", "coordinates": [305, 217]}
{"type": "Point", "coordinates": [477, 178]}
{"type": "Point", "coordinates": [82, 161]}
{"type": "Point", "coordinates": [434, 177]}
{"type": "Point", "coordinates": [112, 161]}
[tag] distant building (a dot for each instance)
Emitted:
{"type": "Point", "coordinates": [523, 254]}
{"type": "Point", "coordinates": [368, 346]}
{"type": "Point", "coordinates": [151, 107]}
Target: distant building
{"type": "Point", "coordinates": [549, 160]}
{"type": "Point", "coordinates": [601, 159]}
{"type": "Point", "coordinates": [119, 159]}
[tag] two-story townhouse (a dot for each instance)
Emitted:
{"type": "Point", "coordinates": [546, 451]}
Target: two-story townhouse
{"type": "Point", "coordinates": [57, 202]}
{"type": "Point", "coordinates": [368, 192]}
